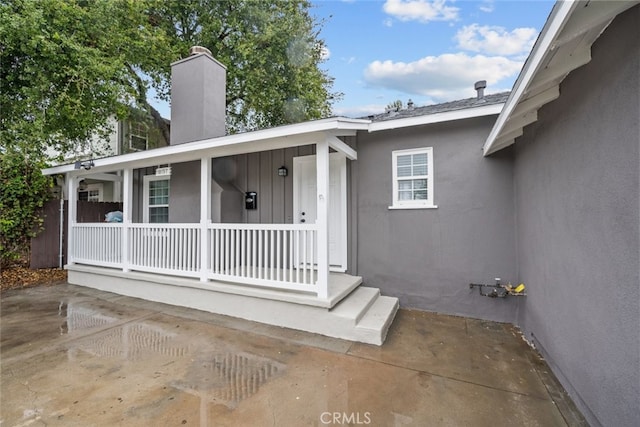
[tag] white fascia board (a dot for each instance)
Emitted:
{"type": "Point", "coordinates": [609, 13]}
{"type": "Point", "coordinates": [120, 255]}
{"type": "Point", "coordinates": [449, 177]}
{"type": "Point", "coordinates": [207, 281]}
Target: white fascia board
{"type": "Point", "coordinates": [447, 116]}
{"type": "Point", "coordinates": [260, 140]}
{"type": "Point", "coordinates": [560, 14]}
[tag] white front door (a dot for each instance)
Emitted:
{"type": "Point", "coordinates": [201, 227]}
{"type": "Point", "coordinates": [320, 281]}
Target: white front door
{"type": "Point", "coordinates": [304, 202]}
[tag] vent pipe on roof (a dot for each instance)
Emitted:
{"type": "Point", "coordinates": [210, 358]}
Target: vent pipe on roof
{"type": "Point", "coordinates": [480, 86]}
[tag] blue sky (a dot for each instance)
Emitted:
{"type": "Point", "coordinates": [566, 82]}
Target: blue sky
{"type": "Point", "coordinates": [426, 51]}
{"type": "Point", "coordinates": [429, 51]}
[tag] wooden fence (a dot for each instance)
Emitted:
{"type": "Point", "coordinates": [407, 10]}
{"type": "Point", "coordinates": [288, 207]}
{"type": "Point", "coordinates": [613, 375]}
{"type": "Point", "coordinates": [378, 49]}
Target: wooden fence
{"type": "Point", "coordinates": [45, 246]}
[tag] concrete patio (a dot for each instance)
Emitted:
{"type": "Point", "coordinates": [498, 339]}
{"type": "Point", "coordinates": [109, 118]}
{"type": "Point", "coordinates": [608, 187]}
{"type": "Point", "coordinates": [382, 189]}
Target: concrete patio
{"type": "Point", "coordinates": [77, 356]}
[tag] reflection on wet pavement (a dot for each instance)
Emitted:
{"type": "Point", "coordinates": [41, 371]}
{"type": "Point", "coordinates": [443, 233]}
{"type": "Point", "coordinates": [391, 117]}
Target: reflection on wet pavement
{"type": "Point", "coordinates": [126, 362]}
{"type": "Point", "coordinates": [229, 378]}
{"type": "Point", "coordinates": [76, 317]}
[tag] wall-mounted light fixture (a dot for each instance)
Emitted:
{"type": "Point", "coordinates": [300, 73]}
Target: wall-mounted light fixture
{"type": "Point", "coordinates": [282, 171]}
{"type": "Point", "coordinates": [86, 165]}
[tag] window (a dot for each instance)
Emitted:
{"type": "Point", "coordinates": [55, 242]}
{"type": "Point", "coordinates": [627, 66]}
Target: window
{"type": "Point", "coordinates": [156, 199]}
{"type": "Point", "coordinates": [413, 179]}
{"type": "Point", "coordinates": [138, 136]}
{"type": "Point", "coordinates": [90, 193]}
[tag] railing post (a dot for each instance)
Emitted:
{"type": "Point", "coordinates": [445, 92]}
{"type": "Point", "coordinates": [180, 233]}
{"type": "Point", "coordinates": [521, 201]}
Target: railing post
{"type": "Point", "coordinates": [72, 186]}
{"type": "Point", "coordinates": [322, 217]}
{"type": "Point", "coordinates": [127, 202]}
{"type": "Point", "coordinates": [205, 216]}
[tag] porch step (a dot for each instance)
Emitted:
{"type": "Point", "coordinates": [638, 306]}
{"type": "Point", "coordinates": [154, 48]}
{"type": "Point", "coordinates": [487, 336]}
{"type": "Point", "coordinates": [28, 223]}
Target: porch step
{"type": "Point", "coordinates": [356, 304]}
{"type": "Point", "coordinates": [377, 320]}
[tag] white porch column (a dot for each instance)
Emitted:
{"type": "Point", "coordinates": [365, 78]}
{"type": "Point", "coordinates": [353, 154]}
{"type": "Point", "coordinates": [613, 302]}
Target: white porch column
{"type": "Point", "coordinates": [205, 216]}
{"type": "Point", "coordinates": [322, 218]}
{"type": "Point", "coordinates": [127, 202]}
{"type": "Point", "coordinates": [72, 185]}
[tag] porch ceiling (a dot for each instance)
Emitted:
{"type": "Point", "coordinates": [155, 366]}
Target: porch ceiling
{"type": "Point", "coordinates": [262, 140]}
{"type": "Point", "coordinates": [563, 45]}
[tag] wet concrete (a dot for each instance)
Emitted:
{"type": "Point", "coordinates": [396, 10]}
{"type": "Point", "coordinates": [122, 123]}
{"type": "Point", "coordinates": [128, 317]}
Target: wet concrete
{"type": "Point", "coordinates": [77, 356]}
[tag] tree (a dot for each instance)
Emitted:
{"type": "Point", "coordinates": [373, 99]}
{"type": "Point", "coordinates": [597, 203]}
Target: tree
{"type": "Point", "coordinates": [396, 105]}
{"type": "Point", "coordinates": [67, 66]}
{"type": "Point", "coordinates": [271, 50]}
{"type": "Point", "coordinates": [23, 191]}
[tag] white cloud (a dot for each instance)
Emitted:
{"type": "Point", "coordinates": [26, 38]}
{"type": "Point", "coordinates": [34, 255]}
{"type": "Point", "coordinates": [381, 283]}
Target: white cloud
{"type": "Point", "coordinates": [487, 6]}
{"type": "Point", "coordinates": [445, 77]}
{"type": "Point", "coordinates": [325, 53]}
{"type": "Point", "coordinates": [496, 40]}
{"type": "Point", "coordinates": [388, 22]}
{"type": "Point", "coordinates": [359, 110]}
{"type": "Point", "coordinates": [421, 10]}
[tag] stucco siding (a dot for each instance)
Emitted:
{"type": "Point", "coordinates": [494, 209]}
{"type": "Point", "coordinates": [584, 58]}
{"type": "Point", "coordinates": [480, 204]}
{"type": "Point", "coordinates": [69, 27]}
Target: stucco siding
{"type": "Point", "coordinates": [577, 181]}
{"type": "Point", "coordinates": [428, 257]}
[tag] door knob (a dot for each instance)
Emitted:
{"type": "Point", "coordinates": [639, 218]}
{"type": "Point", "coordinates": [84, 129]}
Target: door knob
{"type": "Point", "coordinates": [303, 220]}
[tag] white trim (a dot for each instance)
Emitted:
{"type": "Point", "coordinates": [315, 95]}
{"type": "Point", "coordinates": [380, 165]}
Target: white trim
{"type": "Point", "coordinates": [428, 203]}
{"type": "Point", "coordinates": [297, 161]}
{"type": "Point", "coordinates": [145, 194]}
{"type": "Point", "coordinates": [557, 20]}
{"type": "Point", "coordinates": [563, 45]}
{"type": "Point", "coordinates": [412, 207]}
{"type": "Point", "coordinates": [261, 140]}
{"type": "Point", "coordinates": [465, 113]}
{"type": "Point", "coordinates": [342, 147]}
{"type": "Point", "coordinates": [322, 216]}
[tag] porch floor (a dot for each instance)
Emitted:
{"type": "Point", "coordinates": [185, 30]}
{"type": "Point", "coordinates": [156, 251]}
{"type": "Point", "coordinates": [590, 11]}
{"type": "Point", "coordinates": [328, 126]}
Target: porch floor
{"type": "Point", "coordinates": [340, 285]}
{"type": "Point", "coordinates": [75, 355]}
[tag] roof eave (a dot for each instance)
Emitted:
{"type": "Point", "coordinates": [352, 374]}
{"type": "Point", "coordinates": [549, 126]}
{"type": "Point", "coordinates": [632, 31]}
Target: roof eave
{"type": "Point", "coordinates": [447, 116]}
{"type": "Point", "coordinates": [260, 140]}
{"type": "Point", "coordinates": [563, 45]}
{"type": "Point", "coordinates": [557, 19]}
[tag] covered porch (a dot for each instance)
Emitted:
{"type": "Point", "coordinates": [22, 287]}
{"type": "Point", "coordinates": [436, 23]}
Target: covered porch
{"type": "Point", "coordinates": [221, 266]}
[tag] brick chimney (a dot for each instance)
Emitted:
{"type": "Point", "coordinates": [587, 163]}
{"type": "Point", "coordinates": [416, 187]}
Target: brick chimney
{"type": "Point", "coordinates": [198, 97]}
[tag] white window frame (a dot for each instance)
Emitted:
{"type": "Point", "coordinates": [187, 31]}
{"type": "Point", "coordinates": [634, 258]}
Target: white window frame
{"type": "Point", "coordinates": [134, 128]}
{"type": "Point", "coordinates": [93, 187]}
{"type": "Point", "coordinates": [145, 194]}
{"type": "Point", "coordinates": [413, 204]}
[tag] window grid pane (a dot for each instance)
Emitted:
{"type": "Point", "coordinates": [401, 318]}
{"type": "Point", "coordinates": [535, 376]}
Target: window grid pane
{"type": "Point", "coordinates": [159, 201]}
{"type": "Point", "coordinates": [412, 174]}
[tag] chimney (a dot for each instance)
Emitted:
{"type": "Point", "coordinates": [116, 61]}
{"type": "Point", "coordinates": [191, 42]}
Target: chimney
{"type": "Point", "coordinates": [480, 86]}
{"type": "Point", "coordinates": [198, 97]}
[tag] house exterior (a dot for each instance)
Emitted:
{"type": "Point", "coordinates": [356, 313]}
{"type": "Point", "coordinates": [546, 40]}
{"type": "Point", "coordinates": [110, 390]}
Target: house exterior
{"type": "Point", "coordinates": [572, 129]}
{"type": "Point", "coordinates": [138, 133]}
{"type": "Point", "coordinates": [306, 225]}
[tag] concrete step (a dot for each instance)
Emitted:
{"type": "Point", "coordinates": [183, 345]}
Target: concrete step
{"type": "Point", "coordinates": [377, 320]}
{"type": "Point", "coordinates": [356, 304]}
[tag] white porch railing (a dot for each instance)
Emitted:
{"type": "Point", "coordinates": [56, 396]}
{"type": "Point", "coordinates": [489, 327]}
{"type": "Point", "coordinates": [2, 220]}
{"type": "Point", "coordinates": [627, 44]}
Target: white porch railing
{"type": "Point", "coordinates": [279, 255]}
{"type": "Point", "coordinates": [165, 248]}
{"type": "Point", "coordinates": [272, 255]}
{"type": "Point", "coordinates": [96, 243]}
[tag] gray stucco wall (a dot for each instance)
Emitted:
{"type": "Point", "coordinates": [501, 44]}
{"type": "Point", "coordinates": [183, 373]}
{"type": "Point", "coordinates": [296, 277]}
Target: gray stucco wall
{"type": "Point", "coordinates": [427, 258]}
{"type": "Point", "coordinates": [577, 186]}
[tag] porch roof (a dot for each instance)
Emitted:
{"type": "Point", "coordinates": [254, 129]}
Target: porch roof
{"type": "Point", "coordinates": [261, 140]}
{"type": "Point", "coordinates": [563, 45]}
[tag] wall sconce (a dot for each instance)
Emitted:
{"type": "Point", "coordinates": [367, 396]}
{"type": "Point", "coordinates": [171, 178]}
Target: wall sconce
{"type": "Point", "coordinates": [82, 186]}
{"type": "Point", "coordinates": [86, 165]}
{"type": "Point", "coordinates": [282, 171]}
